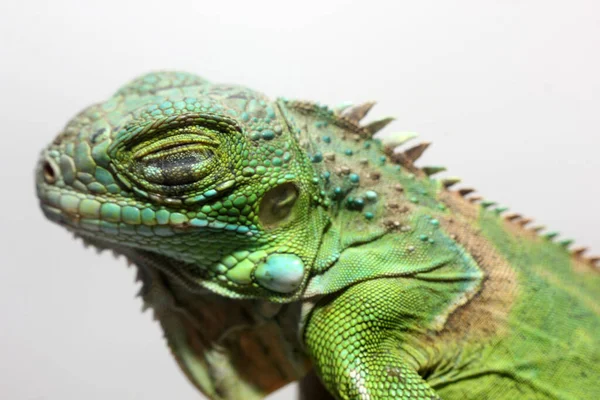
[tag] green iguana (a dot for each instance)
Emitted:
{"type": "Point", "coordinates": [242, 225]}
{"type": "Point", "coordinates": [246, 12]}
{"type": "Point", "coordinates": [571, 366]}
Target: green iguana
{"type": "Point", "coordinates": [278, 237]}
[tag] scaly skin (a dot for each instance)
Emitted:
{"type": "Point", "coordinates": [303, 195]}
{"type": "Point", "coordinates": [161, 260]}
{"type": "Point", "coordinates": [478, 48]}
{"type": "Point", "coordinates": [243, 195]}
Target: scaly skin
{"type": "Point", "coordinates": [273, 237]}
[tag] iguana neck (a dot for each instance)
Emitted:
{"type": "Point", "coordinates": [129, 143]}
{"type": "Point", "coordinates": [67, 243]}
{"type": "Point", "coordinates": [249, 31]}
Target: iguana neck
{"type": "Point", "coordinates": [219, 342]}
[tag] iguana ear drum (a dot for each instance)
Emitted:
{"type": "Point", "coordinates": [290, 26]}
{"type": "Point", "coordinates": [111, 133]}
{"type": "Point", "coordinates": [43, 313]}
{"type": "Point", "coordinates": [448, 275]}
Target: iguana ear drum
{"type": "Point", "coordinates": [276, 205]}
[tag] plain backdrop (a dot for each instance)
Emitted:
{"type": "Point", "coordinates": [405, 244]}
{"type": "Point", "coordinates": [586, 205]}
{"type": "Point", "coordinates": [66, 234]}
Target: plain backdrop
{"type": "Point", "coordinates": [508, 91]}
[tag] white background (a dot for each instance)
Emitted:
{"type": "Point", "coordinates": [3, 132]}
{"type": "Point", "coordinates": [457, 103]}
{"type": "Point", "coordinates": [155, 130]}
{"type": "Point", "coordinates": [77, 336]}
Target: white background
{"type": "Point", "coordinates": [508, 91]}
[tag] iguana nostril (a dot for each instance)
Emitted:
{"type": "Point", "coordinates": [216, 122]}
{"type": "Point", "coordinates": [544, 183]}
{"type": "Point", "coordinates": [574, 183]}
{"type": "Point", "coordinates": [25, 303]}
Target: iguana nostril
{"type": "Point", "coordinates": [49, 172]}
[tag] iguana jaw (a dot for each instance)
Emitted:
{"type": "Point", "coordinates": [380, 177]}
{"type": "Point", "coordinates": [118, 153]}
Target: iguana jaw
{"type": "Point", "coordinates": [182, 309]}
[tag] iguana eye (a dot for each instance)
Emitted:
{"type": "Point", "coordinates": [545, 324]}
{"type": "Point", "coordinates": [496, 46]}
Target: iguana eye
{"type": "Point", "coordinates": [180, 158]}
{"type": "Point", "coordinates": [177, 158]}
{"type": "Point", "coordinates": [277, 204]}
{"type": "Point", "coordinates": [175, 166]}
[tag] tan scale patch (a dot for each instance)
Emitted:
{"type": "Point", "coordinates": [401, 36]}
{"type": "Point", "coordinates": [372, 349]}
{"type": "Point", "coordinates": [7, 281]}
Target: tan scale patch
{"type": "Point", "coordinates": [515, 228]}
{"type": "Point", "coordinates": [583, 266]}
{"type": "Point", "coordinates": [486, 313]}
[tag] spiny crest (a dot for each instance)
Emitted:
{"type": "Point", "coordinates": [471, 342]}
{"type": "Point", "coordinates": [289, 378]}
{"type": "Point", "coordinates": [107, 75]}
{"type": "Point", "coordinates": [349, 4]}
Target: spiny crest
{"type": "Point", "coordinates": [395, 140]}
{"type": "Point", "coordinates": [375, 126]}
{"type": "Point", "coordinates": [522, 222]}
{"type": "Point", "coordinates": [475, 198]}
{"type": "Point", "coordinates": [355, 113]}
{"type": "Point", "coordinates": [332, 115]}
{"type": "Point", "coordinates": [358, 112]}
{"type": "Point", "coordinates": [465, 191]}
{"type": "Point", "coordinates": [433, 169]}
{"type": "Point", "coordinates": [350, 116]}
{"type": "Point", "coordinates": [450, 181]}
{"type": "Point", "coordinates": [412, 154]}
{"type": "Point", "coordinates": [409, 156]}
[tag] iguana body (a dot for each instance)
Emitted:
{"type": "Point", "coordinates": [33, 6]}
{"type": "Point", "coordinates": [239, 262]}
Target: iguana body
{"type": "Point", "coordinates": [273, 237]}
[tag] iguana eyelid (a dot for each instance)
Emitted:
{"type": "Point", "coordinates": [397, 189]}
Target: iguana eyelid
{"type": "Point", "coordinates": [133, 133]}
{"type": "Point", "coordinates": [176, 141]}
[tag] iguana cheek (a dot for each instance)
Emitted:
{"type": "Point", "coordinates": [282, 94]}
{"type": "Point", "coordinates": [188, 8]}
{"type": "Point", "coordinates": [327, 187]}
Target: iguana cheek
{"type": "Point", "coordinates": [282, 273]}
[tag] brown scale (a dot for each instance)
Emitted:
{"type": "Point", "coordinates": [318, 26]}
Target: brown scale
{"type": "Point", "coordinates": [487, 311]}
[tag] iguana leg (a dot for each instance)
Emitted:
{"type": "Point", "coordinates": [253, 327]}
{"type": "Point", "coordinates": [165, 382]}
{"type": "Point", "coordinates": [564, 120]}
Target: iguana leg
{"type": "Point", "coordinates": [355, 340]}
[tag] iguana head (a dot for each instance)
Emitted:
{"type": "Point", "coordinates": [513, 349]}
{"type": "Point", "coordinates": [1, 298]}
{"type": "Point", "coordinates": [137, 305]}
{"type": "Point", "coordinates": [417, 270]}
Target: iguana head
{"type": "Point", "coordinates": [210, 177]}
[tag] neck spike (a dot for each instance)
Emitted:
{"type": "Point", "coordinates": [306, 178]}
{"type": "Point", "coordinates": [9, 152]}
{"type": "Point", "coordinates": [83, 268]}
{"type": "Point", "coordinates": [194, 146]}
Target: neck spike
{"type": "Point", "coordinates": [358, 112]}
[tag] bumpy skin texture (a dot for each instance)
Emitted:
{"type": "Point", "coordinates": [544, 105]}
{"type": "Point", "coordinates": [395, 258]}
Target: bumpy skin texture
{"type": "Point", "coordinates": [273, 237]}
